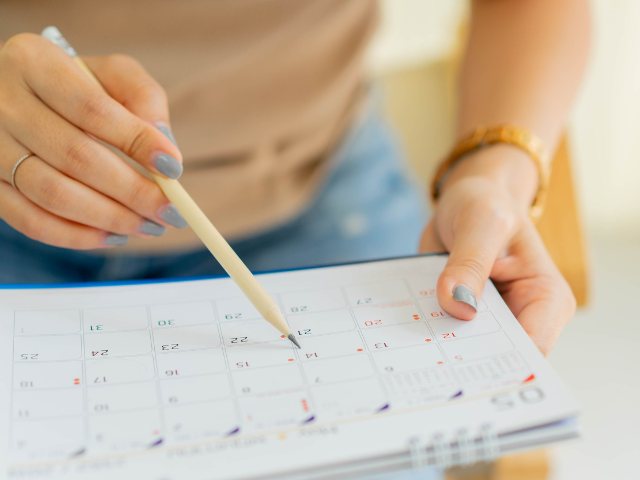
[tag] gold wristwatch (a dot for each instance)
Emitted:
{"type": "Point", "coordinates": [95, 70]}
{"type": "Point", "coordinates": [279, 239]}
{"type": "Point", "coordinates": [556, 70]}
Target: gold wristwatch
{"type": "Point", "coordinates": [508, 134]}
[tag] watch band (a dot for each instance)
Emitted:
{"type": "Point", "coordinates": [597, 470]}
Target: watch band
{"type": "Point", "coordinates": [508, 134]}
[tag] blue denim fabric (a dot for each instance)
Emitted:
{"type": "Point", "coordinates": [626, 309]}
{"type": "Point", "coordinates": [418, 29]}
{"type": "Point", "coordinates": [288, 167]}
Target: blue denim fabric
{"type": "Point", "coordinates": [368, 208]}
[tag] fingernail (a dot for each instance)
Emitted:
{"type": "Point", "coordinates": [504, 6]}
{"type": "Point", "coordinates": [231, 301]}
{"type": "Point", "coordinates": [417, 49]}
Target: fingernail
{"type": "Point", "coordinates": [168, 166]}
{"type": "Point", "coordinates": [464, 294]}
{"type": "Point", "coordinates": [152, 228]}
{"type": "Point", "coordinates": [164, 128]}
{"type": "Point", "coordinates": [172, 216]}
{"type": "Point", "coordinates": [113, 239]}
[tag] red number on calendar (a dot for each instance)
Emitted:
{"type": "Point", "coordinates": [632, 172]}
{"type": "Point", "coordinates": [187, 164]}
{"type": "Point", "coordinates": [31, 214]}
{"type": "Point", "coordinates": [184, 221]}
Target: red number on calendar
{"type": "Point", "coordinates": [449, 335]}
{"type": "Point", "coordinates": [370, 323]}
{"type": "Point", "coordinates": [381, 345]}
{"type": "Point", "coordinates": [437, 314]}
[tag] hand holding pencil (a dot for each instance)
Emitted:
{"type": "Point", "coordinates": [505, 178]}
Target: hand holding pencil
{"type": "Point", "coordinates": [63, 188]}
{"type": "Point", "coordinates": [73, 192]}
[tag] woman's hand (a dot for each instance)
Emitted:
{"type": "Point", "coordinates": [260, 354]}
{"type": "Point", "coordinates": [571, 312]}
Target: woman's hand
{"type": "Point", "coordinates": [75, 192]}
{"type": "Point", "coordinates": [482, 220]}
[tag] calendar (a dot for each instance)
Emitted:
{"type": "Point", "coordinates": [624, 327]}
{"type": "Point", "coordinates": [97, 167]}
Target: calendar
{"type": "Point", "coordinates": [184, 379]}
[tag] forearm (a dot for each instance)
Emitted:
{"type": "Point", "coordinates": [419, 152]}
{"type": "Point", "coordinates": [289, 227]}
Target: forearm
{"type": "Point", "coordinates": [522, 66]}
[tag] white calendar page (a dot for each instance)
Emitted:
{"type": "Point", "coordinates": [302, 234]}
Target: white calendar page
{"type": "Point", "coordinates": [184, 380]}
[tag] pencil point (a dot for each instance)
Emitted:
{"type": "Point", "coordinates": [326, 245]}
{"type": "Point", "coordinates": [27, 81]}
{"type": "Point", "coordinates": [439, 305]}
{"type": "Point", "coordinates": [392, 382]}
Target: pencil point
{"type": "Point", "coordinates": [293, 338]}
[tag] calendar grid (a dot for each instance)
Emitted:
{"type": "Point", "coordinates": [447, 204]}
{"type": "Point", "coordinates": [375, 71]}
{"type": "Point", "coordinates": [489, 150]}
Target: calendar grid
{"type": "Point", "coordinates": [227, 359]}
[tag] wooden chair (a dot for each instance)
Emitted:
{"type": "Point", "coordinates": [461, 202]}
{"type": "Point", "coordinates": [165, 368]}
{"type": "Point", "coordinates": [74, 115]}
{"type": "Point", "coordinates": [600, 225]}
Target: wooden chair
{"type": "Point", "coordinates": [561, 228]}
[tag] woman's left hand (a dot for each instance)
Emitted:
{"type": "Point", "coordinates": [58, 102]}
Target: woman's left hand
{"type": "Point", "coordinates": [486, 229]}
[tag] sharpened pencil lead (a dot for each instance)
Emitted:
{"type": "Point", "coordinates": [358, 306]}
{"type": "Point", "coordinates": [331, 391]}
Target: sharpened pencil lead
{"type": "Point", "coordinates": [293, 338]}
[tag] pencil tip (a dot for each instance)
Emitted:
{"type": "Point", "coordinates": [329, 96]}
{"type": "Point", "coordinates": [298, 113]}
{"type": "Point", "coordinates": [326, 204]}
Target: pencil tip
{"type": "Point", "coordinates": [294, 340]}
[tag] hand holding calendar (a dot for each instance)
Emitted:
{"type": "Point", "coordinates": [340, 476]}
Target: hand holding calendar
{"type": "Point", "coordinates": [138, 380]}
{"type": "Point", "coordinates": [486, 227]}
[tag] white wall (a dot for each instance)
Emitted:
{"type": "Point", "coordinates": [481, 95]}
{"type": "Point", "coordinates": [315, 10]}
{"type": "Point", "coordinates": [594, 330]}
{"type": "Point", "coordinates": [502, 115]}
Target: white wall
{"type": "Point", "coordinates": [605, 121]}
{"type": "Point", "coordinates": [415, 31]}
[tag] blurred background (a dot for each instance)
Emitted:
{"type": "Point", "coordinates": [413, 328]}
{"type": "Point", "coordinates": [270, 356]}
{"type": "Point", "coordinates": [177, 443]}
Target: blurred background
{"type": "Point", "coordinates": [414, 58]}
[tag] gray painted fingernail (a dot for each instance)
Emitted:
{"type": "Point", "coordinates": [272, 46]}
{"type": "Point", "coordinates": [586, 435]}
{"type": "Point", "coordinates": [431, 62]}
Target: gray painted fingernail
{"type": "Point", "coordinates": [172, 216]}
{"type": "Point", "coordinates": [168, 166]}
{"type": "Point", "coordinates": [152, 228]}
{"type": "Point", "coordinates": [113, 239]}
{"type": "Point", "coordinates": [464, 294]}
{"type": "Point", "coordinates": [167, 132]}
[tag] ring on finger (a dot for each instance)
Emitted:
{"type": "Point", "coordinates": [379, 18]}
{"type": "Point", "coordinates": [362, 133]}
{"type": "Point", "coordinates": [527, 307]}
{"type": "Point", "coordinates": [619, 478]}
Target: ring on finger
{"type": "Point", "coordinates": [15, 167]}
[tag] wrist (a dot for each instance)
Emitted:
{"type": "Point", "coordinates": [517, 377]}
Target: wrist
{"type": "Point", "coordinates": [505, 166]}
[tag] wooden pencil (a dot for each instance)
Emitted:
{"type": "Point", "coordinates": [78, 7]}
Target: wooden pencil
{"type": "Point", "coordinates": [201, 225]}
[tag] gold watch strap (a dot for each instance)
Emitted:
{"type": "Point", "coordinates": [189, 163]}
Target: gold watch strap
{"type": "Point", "coordinates": [509, 134]}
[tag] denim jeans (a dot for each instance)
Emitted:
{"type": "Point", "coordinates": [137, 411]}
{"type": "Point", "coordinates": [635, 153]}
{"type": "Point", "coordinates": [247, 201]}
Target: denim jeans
{"type": "Point", "coordinates": [369, 207]}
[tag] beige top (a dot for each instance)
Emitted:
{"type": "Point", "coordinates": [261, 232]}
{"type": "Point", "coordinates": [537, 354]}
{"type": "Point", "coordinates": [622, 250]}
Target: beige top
{"type": "Point", "coordinates": [260, 91]}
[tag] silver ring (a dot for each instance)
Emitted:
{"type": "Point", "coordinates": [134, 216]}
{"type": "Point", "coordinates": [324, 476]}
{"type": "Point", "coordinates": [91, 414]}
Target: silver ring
{"type": "Point", "coordinates": [15, 167]}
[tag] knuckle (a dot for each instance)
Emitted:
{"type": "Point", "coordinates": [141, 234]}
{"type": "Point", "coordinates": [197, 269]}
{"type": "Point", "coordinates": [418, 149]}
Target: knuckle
{"type": "Point", "coordinates": [93, 108]}
{"type": "Point", "coordinates": [117, 224]}
{"type": "Point", "coordinates": [136, 141]}
{"type": "Point", "coordinates": [78, 156]}
{"type": "Point", "coordinates": [139, 193]}
{"type": "Point", "coordinates": [149, 90]}
{"type": "Point", "coordinates": [53, 195]}
{"type": "Point", "coordinates": [473, 269]}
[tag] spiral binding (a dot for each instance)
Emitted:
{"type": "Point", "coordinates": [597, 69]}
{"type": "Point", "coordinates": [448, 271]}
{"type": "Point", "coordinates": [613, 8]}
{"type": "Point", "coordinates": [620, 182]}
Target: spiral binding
{"type": "Point", "coordinates": [464, 449]}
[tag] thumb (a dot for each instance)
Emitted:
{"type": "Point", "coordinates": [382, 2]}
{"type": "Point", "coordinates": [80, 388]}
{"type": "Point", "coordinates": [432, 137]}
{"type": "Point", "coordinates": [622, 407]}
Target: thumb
{"type": "Point", "coordinates": [476, 245]}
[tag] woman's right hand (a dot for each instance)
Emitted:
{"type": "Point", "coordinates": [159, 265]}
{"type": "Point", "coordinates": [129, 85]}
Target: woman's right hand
{"type": "Point", "coordinates": [74, 192]}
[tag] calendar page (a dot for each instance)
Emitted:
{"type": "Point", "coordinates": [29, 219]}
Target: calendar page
{"type": "Point", "coordinates": [184, 380]}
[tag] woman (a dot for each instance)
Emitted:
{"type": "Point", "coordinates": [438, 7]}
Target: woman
{"type": "Point", "coordinates": [282, 145]}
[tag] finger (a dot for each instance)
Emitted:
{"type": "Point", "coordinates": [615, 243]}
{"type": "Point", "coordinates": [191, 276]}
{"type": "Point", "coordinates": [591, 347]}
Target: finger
{"type": "Point", "coordinates": [42, 226]}
{"type": "Point", "coordinates": [80, 157]}
{"type": "Point", "coordinates": [544, 318]}
{"type": "Point", "coordinates": [66, 198]}
{"type": "Point", "coordinates": [541, 299]}
{"type": "Point", "coordinates": [56, 79]}
{"type": "Point", "coordinates": [131, 85]}
{"type": "Point", "coordinates": [480, 235]}
{"type": "Point", "coordinates": [430, 242]}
